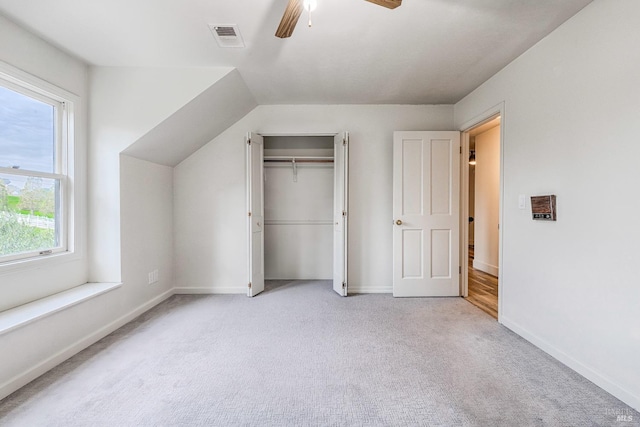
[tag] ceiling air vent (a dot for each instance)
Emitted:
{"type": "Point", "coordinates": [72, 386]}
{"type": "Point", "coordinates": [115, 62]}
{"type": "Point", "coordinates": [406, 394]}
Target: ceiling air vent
{"type": "Point", "coordinates": [227, 35]}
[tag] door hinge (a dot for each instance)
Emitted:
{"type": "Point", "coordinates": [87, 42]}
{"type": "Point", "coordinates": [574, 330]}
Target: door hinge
{"type": "Point", "coordinates": [249, 285]}
{"type": "Point", "coordinates": [344, 213]}
{"type": "Point", "coordinates": [249, 213]}
{"type": "Point", "coordinates": [249, 141]}
{"type": "Point", "coordinates": [459, 269]}
{"type": "Point", "coordinates": [344, 285]}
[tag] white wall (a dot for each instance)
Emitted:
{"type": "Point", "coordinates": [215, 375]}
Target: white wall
{"type": "Point", "coordinates": [20, 284]}
{"type": "Point", "coordinates": [487, 201]}
{"type": "Point", "coordinates": [24, 352]}
{"type": "Point", "coordinates": [126, 103]}
{"type": "Point", "coordinates": [572, 106]}
{"type": "Point", "coordinates": [146, 208]}
{"type": "Point", "coordinates": [210, 187]}
{"type": "Point", "coordinates": [147, 244]}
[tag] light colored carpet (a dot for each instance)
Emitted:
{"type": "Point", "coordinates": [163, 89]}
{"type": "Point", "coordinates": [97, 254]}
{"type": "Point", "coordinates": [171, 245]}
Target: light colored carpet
{"type": "Point", "coordinates": [301, 355]}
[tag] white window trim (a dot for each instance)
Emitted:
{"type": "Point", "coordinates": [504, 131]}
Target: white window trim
{"type": "Point", "coordinates": [44, 91]}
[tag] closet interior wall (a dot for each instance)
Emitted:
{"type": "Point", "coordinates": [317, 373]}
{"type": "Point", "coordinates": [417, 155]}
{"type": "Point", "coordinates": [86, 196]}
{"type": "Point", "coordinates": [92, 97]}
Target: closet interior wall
{"type": "Point", "coordinates": [298, 208]}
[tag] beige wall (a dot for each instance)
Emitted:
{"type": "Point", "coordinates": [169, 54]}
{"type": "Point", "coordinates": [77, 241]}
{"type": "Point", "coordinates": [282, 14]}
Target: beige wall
{"type": "Point", "coordinates": [487, 201]}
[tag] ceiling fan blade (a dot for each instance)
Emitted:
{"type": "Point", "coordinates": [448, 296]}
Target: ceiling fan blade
{"type": "Point", "coordinates": [289, 19]}
{"type": "Point", "coordinates": [390, 4]}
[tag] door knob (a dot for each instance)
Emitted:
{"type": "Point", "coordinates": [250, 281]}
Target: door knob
{"type": "Point", "coordinates": [399, 222]}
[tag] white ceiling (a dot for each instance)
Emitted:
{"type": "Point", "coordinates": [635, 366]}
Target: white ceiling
{"type": "Point", "coordinates": [424, 52]}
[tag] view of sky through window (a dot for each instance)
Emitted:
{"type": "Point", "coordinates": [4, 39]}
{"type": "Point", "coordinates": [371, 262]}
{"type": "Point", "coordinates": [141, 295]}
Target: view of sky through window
{"type": "Point", "coordinates": [26, 132]}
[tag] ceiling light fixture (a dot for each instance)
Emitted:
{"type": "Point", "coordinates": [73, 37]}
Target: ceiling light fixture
{"type": "Point", "coordinates": [472, 157]}
{"type": "Point", "coordinates": [310, 6]}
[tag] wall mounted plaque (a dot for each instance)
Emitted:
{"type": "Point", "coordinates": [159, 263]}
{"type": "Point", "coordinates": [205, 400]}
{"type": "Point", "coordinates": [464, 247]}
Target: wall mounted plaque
{"type": "Point", "coordinates": [543, 207]}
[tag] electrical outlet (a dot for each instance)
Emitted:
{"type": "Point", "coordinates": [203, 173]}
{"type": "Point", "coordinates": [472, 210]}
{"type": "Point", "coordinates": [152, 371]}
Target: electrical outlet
{"type": "Point", "coordinates": [153, 276]}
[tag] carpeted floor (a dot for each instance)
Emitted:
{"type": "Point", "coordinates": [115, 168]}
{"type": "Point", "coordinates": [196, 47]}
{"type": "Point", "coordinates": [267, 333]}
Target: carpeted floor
{"type": "Point", "coordinates": [298, 354]}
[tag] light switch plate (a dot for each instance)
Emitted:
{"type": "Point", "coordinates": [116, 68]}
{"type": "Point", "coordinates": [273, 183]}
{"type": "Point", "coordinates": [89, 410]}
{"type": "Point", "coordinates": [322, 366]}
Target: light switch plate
{"type": "Point", "coordinates": [522, 201]}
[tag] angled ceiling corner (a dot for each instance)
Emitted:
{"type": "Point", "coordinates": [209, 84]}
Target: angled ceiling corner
{"type": "Point", "coordinates": [196, 123]}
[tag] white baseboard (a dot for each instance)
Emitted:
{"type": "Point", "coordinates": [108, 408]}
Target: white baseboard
{"type": "Point", "coordinates": [487, 268]}
{"type": "Point", "coordinates": [31, 374]}
{"type": "Point", "coordinates": [370, 290]}
{"type": "Point", "coordinates": [242, 290]}
{"type": "Point", "coordinates": [589, 373]}
{"type": "Point", "coordinates": [217, 290]}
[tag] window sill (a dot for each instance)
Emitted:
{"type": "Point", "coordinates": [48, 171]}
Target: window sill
{"type": "Point", "coordinates": [9, 267]}
{"type": "Point", "coordinates": [23, 315]}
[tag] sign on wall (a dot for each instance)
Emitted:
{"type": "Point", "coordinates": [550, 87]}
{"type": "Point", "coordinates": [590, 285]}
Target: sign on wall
{"type": "Point", "coordinates": [543, 207]}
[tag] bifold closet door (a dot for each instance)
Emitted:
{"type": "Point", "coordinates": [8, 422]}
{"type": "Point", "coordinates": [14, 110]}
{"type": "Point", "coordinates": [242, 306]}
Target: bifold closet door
{"type": "Point", "coordinates": [255, 213]}
{"type": "Point", "coordinates": [340, 213]}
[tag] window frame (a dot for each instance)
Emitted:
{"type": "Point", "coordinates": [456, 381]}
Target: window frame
{"type": "Point", "coordinates": [64, 123]}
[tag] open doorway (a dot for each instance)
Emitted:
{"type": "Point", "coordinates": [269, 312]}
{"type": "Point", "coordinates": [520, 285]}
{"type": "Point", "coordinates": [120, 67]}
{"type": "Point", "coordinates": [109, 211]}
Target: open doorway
{"type": "Point", "coordinates": [482, 201]}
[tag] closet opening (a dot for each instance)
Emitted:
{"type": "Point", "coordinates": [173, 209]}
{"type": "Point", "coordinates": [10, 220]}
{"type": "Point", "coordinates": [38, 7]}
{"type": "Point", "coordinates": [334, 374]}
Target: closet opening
{"type": "Point", "coordinates": [298, 208]}
{"type": "Point", "coordinates": [297, 211]}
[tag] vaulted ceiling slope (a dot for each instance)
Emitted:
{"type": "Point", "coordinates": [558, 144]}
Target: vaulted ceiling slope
{"type": "Point", "coordinates": [424, 52]}
{"type": "Point", "coordinates": [196, 123]}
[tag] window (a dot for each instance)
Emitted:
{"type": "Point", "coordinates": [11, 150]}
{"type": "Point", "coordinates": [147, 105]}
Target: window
{"type": "Point", "coordinates": [34, 187]}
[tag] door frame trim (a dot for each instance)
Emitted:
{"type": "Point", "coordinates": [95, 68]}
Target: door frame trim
{"type": "Point", "coordinates": [497, 110]}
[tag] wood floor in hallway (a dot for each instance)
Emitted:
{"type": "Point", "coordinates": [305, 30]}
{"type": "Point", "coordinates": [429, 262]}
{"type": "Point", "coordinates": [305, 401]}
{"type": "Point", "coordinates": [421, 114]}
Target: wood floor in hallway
{"type": "Point", "coordinates": [483, 289]}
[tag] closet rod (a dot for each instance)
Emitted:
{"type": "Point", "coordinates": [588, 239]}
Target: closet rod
{"type": "Point", "coordinates": [299, 159]}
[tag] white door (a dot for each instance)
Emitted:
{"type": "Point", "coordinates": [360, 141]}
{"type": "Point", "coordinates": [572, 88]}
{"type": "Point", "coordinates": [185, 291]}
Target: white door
{"type": "Point", "coordinates": [255, 210]}
{"type": "Point", "coordinates": [340, 213]}
{"type": "Point", "coordinates": [426, 186]}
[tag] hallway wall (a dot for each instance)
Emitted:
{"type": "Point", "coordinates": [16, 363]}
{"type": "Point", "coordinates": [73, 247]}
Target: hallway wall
{"type": "Point", "coordinates": [487, 202]}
